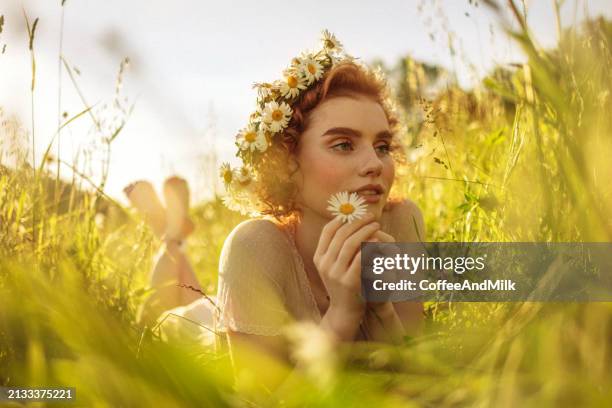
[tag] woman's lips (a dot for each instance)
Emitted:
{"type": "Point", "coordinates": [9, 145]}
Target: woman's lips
{"type": "Point", "coordinates": [370, 196]}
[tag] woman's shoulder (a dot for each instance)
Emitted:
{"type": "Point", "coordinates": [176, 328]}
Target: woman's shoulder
{"type": "Point", "coordinates": [257, 239]}
{"type": "Point", "coordinates": [401, 207]}
{"type": "Point", "coordinates": [403, 219]}
{"type": "Point", "coordinates": [257, 230]}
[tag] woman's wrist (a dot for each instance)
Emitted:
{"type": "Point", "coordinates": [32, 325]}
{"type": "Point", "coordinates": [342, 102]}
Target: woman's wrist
{"type": "Point", "coordinates": [384, 310]}
{"type": "Point", "coordinates": [384, 322]}
{"type": "Point", "coordinates": [343, 322]}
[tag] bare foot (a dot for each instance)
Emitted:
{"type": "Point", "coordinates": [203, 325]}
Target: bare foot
{"type": "Point", "coordinates": [176, 194]}
{"type": "Point", "coordinates": [143, 197]}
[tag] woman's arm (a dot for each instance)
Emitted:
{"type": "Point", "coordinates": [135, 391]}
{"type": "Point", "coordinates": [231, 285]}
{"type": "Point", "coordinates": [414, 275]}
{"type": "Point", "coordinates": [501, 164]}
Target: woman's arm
{"type": "Point", "coordinates": [269, 357]}
{"type": "Point", "coordinates": [390, 322]}
{"type": "Point", "coordinates": [173, 282]}
{"type": "Point", "coordinates": [338, 260]}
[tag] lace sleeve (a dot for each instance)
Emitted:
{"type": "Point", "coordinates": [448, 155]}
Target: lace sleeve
{"type": "Point", "coordinates": [250, 294]}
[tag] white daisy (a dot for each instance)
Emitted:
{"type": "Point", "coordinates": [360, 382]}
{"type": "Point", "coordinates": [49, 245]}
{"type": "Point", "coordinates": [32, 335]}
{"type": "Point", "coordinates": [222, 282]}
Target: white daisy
{"type": "Point", "coordinates": [276, 116]}
{"type": "Point", "coordinates": [338, 58]}
{"type": "Point", "coordinates": [235, 203]}
{"type": "Point", "coordinates": [226, 173]}
{"type": "Point", "coordinates": [250, 138]}
{"type": "Point", "coordinates": [310, 68]}
{"type": "Point", "coordinates": [330, 42]}
{"type": "Point", "coordinates": [243, 200]}
{"type": "Point", "coordinates": [292, 84]}
{"type": "Point", "coordinates": [243, 175]}
{"type": "Point", "coordinates": [348, 206]}
{"type": "Point", "coordinates": [264, 89]}
{"type": "Point", "coordinates": [296, 62]}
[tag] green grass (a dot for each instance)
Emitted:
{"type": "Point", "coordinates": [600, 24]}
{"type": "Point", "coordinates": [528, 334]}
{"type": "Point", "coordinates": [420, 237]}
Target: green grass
{"type": "Point", "coordinates": [525, 157]}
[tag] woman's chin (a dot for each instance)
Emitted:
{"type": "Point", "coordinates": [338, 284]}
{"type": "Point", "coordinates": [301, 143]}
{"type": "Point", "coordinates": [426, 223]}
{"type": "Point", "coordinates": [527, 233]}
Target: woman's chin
{"type": "Point", "coordinates": [376, 208]}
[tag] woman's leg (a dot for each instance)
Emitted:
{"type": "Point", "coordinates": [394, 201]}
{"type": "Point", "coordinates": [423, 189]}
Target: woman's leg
{"type": "Point", "coordinates": [180, 226]}
{"type": "Point", "coordinates": [172, 269]}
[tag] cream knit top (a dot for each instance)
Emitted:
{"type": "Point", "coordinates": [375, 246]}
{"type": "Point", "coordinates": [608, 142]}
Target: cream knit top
{"type": "Point", "coordinates": [263, 285]}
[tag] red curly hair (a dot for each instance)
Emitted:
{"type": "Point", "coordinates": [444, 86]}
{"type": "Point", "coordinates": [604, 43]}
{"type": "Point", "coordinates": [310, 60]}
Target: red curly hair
{"type": "Point", "coordinates": [276, 189]}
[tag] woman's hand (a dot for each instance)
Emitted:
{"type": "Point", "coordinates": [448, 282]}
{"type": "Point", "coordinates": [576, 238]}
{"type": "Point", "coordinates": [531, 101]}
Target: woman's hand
{"type": "Point", "coordinates": [338, 260]}
{"type": "Point", "coordinates": [382, 308]}
{"type": "Point", "coordinates": [387, 320]}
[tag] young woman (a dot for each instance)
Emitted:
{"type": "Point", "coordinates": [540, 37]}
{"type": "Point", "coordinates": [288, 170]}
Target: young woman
{"type": "Point", "coordinates": [325, 128]}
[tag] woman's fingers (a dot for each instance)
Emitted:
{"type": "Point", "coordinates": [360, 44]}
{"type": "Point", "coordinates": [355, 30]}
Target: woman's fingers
{"type": "Point", "coordinates": [354, 270]}
{"type": "Point", "coordinates": [383, 250]}
{"type": "Point", "coordinates": [383, 236]}
{"type": "Point", "coordinates": [326, 236]}
{"type": "Point", "coordinates": [380, 236]}
{"type": "Point", "coordinates": [343, 233]}
{"type": "Point", "coordinates": [352, 244]}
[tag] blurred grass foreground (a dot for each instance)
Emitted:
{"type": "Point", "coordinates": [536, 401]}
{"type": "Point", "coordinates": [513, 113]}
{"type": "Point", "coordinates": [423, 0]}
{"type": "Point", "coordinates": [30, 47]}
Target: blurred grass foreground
{"type": "Point", "coordinates": [524, 156]}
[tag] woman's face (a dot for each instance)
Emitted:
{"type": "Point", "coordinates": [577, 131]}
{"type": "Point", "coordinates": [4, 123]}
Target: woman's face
{"type": "Point", "coordinates": [346, 147]}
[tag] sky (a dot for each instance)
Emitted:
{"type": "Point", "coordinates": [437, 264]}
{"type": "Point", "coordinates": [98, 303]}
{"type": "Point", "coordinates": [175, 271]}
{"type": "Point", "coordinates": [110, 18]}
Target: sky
{"type": "Point", "coordinates": [192, 64]}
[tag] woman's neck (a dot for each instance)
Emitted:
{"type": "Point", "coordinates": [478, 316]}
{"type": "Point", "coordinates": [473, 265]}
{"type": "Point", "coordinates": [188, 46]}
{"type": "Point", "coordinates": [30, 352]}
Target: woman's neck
{"type": "Point", "coordinates": [307, 232]}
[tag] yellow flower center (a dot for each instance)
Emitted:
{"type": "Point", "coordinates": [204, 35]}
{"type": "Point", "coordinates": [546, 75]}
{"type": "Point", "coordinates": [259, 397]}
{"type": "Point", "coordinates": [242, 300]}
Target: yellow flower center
{"type": "Point", "coordinates": [227, 176]}
{"type": "Point", "coordinates": [347, 209]}
{"type": "Point", "coordinates": [277, 115]}
{"type": "Point", "coordinates": [292, 82]}
{"type": "Point", "coordinates": [329, 44]}
{"type": "Point", "coordinates": [250, 137]}
{"type": "Point", "coordinates": [312, 69]}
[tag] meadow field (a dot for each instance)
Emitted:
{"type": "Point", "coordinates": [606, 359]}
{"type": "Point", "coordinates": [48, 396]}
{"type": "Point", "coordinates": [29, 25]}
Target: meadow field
{"type": "Point", "coordinates": [526, 156]}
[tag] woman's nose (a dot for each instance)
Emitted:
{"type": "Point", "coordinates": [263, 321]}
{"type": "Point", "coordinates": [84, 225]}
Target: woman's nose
{"type": "Point", "coordinates": [372, 164]}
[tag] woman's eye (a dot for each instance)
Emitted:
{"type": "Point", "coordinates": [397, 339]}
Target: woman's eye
{"type": "Point", "coordinates": [344, 146]}
{"type": "Point", "coordinates": [384, 148]}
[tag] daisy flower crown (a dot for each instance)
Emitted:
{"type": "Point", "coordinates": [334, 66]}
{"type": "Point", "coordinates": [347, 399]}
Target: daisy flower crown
{"type": "Point", "coordinates": [271, 117]}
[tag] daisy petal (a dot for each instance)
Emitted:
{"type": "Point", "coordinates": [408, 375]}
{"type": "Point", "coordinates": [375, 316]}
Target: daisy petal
{"type": "Point", "coordinates": [347, 206]}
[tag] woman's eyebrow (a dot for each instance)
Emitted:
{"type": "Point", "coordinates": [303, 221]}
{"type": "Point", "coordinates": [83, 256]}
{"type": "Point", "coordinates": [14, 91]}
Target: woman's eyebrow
{"type": "Point", "coordinates": [384, 134]}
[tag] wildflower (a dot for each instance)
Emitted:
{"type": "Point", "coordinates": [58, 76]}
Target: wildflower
{"type": "Point", "coordinates": [292, 84]}
{"type": "Point", "coordinates": [335, 59]}
{"type": "Point", "coordinates": [349, 206]}
{"type": "Point", "coordinates": [250, 138]}
{"type": "Point", "coordinates": [310, 68]}
{"type": "Point", "coordinates": [243, 200]}
{"type": "Point", "coordinates": [330, 42]}
{"type": "Point", "coordinates": [234, 203]}
{"type": "Point", "coordinates": [226, 173]}
{"type": "Point", "coordinates": [264, 89]}
{"type": "Point", "coordinates": [276, 116]}
{"type": "Point", "coordinates": [244, 175]}
{"type": "Point", "coordinates": [296, 62]}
